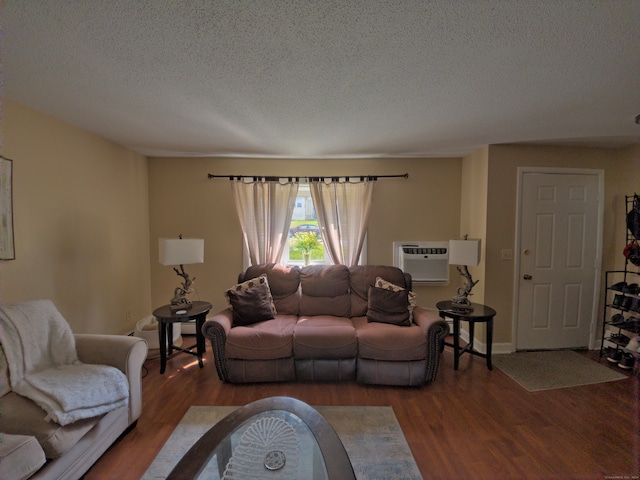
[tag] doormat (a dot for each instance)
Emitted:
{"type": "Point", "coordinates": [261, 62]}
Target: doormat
{"type": "Point", "coordinates": [550, 369]}
{"type": "Point", "coordinates": [371, 436]}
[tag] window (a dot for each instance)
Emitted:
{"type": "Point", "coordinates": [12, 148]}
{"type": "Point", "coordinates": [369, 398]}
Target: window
{"type": "Point", "coordinates": [304, 221]}
{"type": "Point", "coordinates": [304, 228]}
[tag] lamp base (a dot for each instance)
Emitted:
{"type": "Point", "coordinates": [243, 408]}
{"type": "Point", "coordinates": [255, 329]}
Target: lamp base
{"type": "Point", "coordinates": [467, 307]}
{"type": "Point", "coordinates": [174, 307]}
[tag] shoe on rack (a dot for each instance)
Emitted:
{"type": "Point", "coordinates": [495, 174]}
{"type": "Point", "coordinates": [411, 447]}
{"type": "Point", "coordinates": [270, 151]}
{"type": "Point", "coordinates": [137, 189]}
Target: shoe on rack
{"type": "Point", "coordinates": [628, 303]}
{"type": "Point", "coordinates": [631, 324]}
{"type": "Point", "coordinates": [619, 301]}
{"type": "Point", "coordinates": [620, 286]}
{"type": "Point", "coordinates": [633, 288]}
{"type": "Point", "coordinates": [617, 319]}
{"type": "Point", "coordinates": [614, 355]}
{"type": "Point", "coordinates": [626, 361]}
{"type": "Point", "coordinates": [619, 339]}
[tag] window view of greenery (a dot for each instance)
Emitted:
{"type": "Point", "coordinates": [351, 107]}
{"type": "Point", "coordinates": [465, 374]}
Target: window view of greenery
{"type": "Point", "coordinates": [305, 240]}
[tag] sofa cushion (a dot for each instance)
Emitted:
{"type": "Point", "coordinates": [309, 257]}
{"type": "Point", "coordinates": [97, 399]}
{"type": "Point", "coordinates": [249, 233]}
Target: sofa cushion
{"type": "Point", "coordinates": [383, 341]}
{"type": "Point", "coordinates": [361, 277]}
{"type": "Point", "coordinates": [27, 418]}
{"type": "Point", "coordinates": [266, 340]}
{"type": "Point", "coordinates": [325, 291]}
{"type": "Point", "coordinates": [20, 456]}
{"type": "Point", "coordinates": [283, 283]}
{"type": "Point", "coordinates": [251, 305]}
{"type": "Point", "coordinates": [324, 336]}
{"type": "Point", "coordinates": [388, 306]}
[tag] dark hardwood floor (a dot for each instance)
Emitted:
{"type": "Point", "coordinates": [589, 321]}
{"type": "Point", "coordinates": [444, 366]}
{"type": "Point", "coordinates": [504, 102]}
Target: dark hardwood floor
{"type": "Point", "coordinates": [470, 424]}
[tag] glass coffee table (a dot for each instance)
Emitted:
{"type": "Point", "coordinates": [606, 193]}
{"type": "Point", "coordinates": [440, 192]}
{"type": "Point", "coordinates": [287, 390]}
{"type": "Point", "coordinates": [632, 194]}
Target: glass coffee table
{"type": "Point", "coordinates": [273, 438]}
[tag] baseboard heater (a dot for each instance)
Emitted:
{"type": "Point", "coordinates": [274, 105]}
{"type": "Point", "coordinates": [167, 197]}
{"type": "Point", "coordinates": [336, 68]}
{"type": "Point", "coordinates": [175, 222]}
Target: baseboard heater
{"type": "Point", "coordinates": [427, 262]}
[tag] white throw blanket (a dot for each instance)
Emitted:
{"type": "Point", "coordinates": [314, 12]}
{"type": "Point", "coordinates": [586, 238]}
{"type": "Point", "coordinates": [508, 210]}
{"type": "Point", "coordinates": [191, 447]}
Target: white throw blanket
{"type": "Point", "coordinates": [44, 365]}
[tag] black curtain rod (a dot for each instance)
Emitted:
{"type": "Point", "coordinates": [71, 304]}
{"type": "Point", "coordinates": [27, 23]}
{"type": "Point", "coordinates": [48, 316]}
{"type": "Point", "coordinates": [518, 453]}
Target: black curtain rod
{"type": "Point", "coordinates": [312, 179]}
{"type": "Point", "coordinates": [6, 158]}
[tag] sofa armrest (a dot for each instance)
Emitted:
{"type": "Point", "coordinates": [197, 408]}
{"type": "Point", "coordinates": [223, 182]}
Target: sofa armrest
{"type": "Point", "coordinates": [425, 318]}
{"type": "Point", "coordinates": [126, 353]}
{"type": "Point", "coordinates": [436, 330]}
{"type": "Point", "coordinates": [216, 329]}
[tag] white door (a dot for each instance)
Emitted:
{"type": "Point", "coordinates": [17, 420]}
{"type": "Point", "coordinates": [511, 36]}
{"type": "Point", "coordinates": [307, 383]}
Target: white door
{"type": "Point", "coordinates": [559, 259]}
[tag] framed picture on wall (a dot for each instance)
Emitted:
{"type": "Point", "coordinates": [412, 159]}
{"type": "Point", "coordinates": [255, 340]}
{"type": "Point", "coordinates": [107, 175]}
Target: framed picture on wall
{"type": "Point", "coordinates": [7, 248]}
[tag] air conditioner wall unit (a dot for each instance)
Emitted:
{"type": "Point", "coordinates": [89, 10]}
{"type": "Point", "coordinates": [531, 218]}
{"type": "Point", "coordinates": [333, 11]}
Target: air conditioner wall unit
{"type": "Point", "coordinates": [426, 261]}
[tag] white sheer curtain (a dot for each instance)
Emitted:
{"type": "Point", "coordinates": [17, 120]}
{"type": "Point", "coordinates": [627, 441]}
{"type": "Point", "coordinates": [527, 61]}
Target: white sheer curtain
{"type": "Point", "coordinates": [265, 208]}
{"type": "Point", "coordinates": [343, 208]}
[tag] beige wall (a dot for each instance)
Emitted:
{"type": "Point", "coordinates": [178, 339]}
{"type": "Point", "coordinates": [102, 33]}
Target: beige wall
{"type": "Point", "coordinates": [473, 214]}
{"type": "Point", "coordinates": [81, 223]}
{"type": "Point", "coordinates": [426, 206]}
{"type": "Point", "coordinates": [88, 215]}
{"type": "Point", "coordinates": [621, 168]}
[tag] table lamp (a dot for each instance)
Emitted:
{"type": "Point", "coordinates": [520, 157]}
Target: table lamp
{"type": "Point", "coordinates": [463, 253]}
{"type": "Point", "coordinates": [181, 251]}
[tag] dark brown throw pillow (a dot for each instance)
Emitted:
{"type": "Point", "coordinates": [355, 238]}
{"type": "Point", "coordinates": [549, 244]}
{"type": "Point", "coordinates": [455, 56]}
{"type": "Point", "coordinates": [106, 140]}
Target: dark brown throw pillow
{"type": "Point", "coordinates": [387, 306]}
{"type": "Point", "coordinates": [251, 305]}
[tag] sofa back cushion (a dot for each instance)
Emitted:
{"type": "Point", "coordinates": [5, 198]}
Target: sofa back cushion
{"type": "Point", "coordinates": [325, 290]}
{"type": "Point", "coordinates": [364, 276]}
{"type": "Point", "coordinates": [283, 283]}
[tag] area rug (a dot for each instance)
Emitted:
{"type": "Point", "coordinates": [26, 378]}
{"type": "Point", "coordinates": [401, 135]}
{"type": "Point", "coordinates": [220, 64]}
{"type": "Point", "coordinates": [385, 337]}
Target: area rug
{"type": "Point", "coordinates": [546, 370]}
{"type": "Point", "coordinates": [371, 436]}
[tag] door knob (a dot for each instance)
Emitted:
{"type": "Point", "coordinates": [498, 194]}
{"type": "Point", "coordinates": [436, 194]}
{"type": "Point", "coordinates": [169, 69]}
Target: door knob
{"type": "Point", "coordinates": [527, 277]}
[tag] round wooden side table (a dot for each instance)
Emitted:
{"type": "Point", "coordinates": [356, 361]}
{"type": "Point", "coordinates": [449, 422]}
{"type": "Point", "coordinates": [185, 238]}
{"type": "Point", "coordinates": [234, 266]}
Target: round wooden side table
{"type": "Point", "coordinates": [166, 318]}
{"type": "Point", "coordinates": [479, 314]}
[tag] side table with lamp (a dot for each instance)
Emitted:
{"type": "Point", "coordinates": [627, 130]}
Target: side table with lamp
{"type": "Point", "coordinates": [463, 253]}
{"type": "Point", "coordinates": [181, 252]}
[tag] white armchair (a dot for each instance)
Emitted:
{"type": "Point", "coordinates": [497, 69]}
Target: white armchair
{"type": "Point", "coordinates": [72, 449]}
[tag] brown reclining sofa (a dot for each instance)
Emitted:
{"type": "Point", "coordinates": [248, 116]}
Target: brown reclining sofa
{"type": "Point", "coordinates": [330, 323]}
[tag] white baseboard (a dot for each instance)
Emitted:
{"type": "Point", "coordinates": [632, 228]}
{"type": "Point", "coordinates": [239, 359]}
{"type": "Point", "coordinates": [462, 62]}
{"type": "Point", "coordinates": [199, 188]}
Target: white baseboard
{"type": "Point", "coordinates": [496, 348]}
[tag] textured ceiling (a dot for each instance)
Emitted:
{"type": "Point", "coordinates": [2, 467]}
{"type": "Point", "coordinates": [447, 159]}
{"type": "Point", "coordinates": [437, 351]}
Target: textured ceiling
{"type": "Point", "coordinates": [329, 78]}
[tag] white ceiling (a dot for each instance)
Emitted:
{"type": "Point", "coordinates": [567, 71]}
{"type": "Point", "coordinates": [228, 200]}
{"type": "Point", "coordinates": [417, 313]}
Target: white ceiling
{"type": "Point", "coordinates": [329, 78]}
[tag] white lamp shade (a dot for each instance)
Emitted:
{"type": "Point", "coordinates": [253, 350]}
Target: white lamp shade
{"type": "Point", "coordinates": [464, 252]}
{"type": "Point", "coordinates": [181, 251]}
